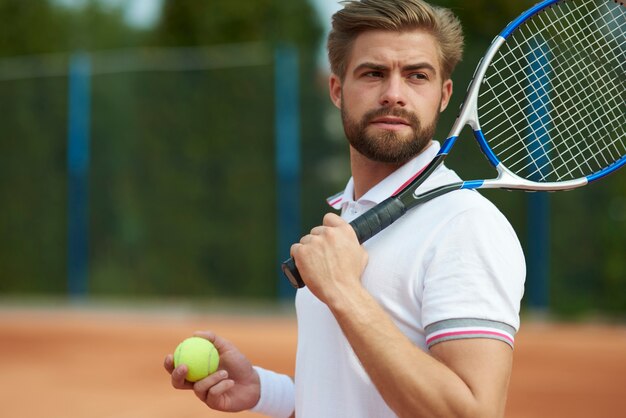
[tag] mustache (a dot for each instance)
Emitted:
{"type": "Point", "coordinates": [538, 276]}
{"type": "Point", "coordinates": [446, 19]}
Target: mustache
{"type": "Point", "coordinates": [410, 117]}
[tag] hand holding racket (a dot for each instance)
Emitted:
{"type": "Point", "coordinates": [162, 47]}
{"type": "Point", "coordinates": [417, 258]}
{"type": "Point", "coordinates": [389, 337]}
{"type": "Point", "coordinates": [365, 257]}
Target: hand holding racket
{"type": "Point", "coordinates": [547, 105]}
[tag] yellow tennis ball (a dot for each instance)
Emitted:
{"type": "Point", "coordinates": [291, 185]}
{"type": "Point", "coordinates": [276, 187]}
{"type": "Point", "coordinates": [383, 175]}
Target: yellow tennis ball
{"type": "Point", "coordinates": [199, 355]}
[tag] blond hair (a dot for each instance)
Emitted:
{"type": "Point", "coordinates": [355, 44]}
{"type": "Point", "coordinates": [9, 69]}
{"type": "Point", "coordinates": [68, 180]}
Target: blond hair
{"type": "Point", "coordinates": [394, 15]}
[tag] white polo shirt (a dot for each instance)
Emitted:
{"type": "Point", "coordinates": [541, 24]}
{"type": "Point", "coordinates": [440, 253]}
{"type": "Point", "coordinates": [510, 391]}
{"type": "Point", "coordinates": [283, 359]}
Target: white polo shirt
{"type": "Point", "coordinates": [450, 268]}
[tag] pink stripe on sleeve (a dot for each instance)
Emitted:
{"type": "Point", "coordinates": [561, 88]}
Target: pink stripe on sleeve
{"type": "Point", "coordinates": [469, 333]}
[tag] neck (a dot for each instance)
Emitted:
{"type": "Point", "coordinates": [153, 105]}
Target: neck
{"type": "Point", "coordinates": [367, 173]}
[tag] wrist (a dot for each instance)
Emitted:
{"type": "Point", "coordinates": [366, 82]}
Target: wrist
{"type": "Point", "coordinates": [349, 301]}
{"type": "Point", "coordinates": [277, 394]}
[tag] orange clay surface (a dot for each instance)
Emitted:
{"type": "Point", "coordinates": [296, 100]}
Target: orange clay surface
{"type": "Point", "coordinates": [107, 363]}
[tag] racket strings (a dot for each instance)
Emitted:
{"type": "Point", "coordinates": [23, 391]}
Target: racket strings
{"type": "Point", "coordinates": [529, 107]}
{"type": "Point", "coordinates": [573, 113]}
{"type": "Point", "coordinates": [555, 97]}
{"type": "Point", "coordinates": [575, 151]}
{"type": "Point", "coordinates": [568, 114]}
{"type": "Point", "coordinates": [595, 87]}
{"type": "Point", "coordinates": [556, 69]}
{"type": "Point", "coordinates": [512, 54]}
{"type": "Point", "coordinates": [540, 96]}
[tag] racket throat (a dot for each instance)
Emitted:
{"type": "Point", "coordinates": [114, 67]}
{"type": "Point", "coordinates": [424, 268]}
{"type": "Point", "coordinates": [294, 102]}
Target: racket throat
{"type": "Point", "coordinates": [436, 192]}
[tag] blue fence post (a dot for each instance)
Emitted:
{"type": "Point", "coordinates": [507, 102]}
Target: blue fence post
{"type": "Point", "coordinates": [539, 251]}
{"type": "Point", "coordinates": [539, 145]}
{"type": "Point", "coordinates": [287, 131]}
{"type": "Point", "coordinates": [79, 109]}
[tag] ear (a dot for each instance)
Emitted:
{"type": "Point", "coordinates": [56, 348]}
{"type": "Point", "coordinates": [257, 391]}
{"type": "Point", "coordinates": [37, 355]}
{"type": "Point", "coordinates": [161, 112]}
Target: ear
{"type": "Point", "coordinates": [334, 88]}
{"type": "Point", "coordinates": [446, 94]}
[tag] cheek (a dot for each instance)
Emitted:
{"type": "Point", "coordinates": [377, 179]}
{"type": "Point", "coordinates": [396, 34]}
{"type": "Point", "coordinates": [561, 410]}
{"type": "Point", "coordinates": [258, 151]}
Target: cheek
{"type": "Point", "coordinates": [354, 96]}
{"type": "Point", "coordinates": [355, 103]}
{"type": "Point", "coordinates": [430, 104]}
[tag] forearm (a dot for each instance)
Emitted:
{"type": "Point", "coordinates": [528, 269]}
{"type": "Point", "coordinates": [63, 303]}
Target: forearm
{"type": "Point", "coordinates": [411, 382]}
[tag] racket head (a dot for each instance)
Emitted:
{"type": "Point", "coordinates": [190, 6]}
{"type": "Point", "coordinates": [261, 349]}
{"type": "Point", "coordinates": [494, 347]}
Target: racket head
{"type": "Point", "coordinates": [548, 101]}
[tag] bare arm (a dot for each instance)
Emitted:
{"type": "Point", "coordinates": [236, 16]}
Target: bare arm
{"type": "Point", "coordinates": [463, 378]}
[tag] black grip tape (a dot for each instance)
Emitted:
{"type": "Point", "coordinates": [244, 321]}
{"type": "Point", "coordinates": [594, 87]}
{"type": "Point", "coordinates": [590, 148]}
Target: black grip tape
{"type": "Point", "coordinates": [366, 226]}
{"type": "Point", "coordinates": [378, 218]}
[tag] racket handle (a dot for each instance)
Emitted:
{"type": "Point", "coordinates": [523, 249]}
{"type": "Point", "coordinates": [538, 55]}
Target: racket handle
{"type": "Point", "coordinates": [378, 218]}
{"type": "Point", "coordinates": [365, 226]}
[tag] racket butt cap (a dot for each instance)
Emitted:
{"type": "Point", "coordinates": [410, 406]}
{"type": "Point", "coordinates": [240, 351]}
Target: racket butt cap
{"type": "Point", "coordinates": [293, 275]}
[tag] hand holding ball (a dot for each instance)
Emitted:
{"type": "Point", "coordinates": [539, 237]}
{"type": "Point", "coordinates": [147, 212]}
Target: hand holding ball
{"type": "Point", "coordinates": [199, 355]}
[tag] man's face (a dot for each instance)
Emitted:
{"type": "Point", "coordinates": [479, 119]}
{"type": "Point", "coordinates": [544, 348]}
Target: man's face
{"type": "Point", "coordinates": [391, 95]}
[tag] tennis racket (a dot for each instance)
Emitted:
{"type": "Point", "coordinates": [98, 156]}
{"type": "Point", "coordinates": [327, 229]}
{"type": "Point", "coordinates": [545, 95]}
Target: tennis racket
{"type": "Point", "coordinates": [547, 105]}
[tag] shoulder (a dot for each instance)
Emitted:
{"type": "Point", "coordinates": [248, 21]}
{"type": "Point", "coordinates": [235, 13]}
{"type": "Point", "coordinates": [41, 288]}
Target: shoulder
{"type": "Point", "coordinates": [472, 223]}
{"type": "Point", "coordinates": [462, 208]}
{"type": "Point", "coordinates": [472, 209]}
{"type": "Point", "coordinates": [465, 211]}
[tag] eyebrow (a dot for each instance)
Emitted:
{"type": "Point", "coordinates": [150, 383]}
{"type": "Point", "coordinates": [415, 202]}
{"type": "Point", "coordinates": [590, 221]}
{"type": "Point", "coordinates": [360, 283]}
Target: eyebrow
{"type": "Point", "coordinates": [411, 67]}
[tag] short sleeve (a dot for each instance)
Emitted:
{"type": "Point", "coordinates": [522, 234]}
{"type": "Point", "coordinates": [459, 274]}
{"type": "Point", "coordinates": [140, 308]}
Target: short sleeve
{"type": "Point", "coordinates": [474, 280]}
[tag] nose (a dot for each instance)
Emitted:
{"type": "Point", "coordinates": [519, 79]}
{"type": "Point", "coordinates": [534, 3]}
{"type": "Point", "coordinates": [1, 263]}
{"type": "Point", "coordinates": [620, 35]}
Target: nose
{"type": "Point", "coordinates": [392, 93]}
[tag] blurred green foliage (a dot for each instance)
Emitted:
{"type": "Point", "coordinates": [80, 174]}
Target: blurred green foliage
{"type": "Point", "coordinates": [182, 181]}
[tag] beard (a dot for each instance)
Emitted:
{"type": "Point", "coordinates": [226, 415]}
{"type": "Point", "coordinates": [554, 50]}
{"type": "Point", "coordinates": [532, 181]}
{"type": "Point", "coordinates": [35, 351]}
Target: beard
{"type": "Point", "coordinates": [388, 146]}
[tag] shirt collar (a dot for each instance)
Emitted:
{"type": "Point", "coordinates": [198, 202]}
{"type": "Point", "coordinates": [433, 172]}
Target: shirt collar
{"type": "Point", "coordinates": [390, 184]}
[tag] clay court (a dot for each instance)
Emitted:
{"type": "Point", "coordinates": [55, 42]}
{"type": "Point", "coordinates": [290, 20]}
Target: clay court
{"type": "Point", "coordinates": [107, 363]}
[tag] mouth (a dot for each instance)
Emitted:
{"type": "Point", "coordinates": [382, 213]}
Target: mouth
{"type": "Point", "coordinates": [390, 122]}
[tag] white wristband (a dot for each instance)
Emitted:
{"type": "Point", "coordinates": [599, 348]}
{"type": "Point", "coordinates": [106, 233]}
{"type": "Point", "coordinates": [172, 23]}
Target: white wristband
{"type": "Point", "coordinates": [277, 398]}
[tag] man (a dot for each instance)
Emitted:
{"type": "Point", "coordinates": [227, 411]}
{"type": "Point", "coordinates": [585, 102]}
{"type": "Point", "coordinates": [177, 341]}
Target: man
{"type": "Point", "coordinates": [420, 320]}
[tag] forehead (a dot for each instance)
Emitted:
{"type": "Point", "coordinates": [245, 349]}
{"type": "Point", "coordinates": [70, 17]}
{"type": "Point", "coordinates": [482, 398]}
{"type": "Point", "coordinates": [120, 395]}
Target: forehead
{"type": "Point", "coordinates": [394, 48]}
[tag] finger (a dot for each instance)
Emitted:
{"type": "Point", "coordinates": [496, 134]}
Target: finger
{"type": "Point", "coordinates": [168, 363]}
{"type": "Point", "coordinates": [207, 394]}
{"type": "Point", "coordinates": [210, 381]}
{"type": "Point", "coordinates": [332, 219]}
{"type": "Point", "coordinates": [178, 378]}
{"type": "Point", "coordinates": [207, 334]}
{"type": "Point", "coordinates": [306, 239]}
{"type": "Point", "coordinates": [318, 230]}
{"type": "Point", "coordinates": [293, 250]}
{"type": "Point", "coordinates": [221, 388]}
{"type": "Point", "coordinates": [220, 343]}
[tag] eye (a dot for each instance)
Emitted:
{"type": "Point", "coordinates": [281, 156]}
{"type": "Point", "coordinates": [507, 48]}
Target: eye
{"type": "Point", "coordinates": [418, 76]}
{"type": "Point", "coordinates": [373, 74]}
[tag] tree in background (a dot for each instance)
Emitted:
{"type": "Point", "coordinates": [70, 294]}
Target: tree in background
{"type": "Point", "coordinates": [35, 40]}
{"type": "Point", "coordinates": [172, 151]}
